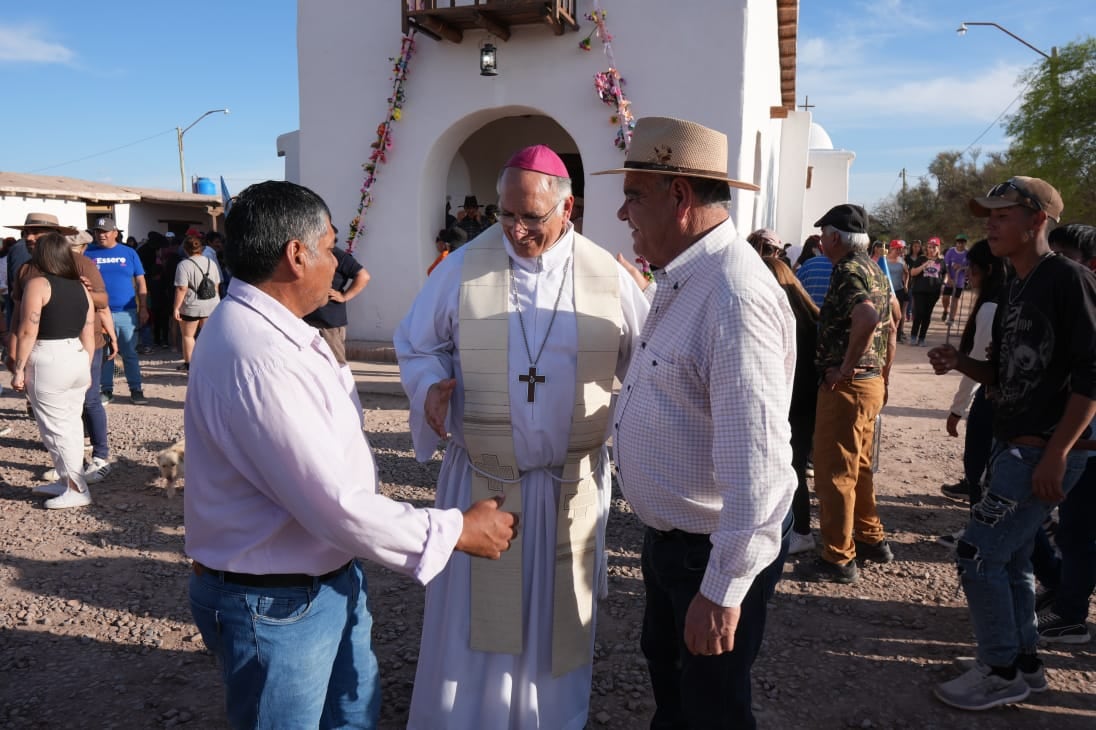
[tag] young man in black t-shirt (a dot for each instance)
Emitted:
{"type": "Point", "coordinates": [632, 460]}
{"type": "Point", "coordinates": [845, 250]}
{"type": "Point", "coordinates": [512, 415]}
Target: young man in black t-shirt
{"type": "Point", "coordinates": [1042, 377]}
{"type": "Point", "coordinates": [330, 319]}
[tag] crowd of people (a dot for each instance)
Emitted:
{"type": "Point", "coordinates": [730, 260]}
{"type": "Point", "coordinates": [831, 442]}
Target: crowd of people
{"type": "Point", "coordinates": [757, 370]}
{"type": "Point", "coordinates": [508, 356]}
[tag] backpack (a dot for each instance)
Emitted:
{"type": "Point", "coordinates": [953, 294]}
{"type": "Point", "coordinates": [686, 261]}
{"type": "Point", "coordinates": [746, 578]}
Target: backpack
{"type": "Point", "coordinates": [206, 288]}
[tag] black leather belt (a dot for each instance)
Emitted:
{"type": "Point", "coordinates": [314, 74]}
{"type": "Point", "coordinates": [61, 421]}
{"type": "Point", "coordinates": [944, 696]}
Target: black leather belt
{"type": "Point", "coordinates": [272, 580]}
{"type": "Point", "coordinates": [680, 535]}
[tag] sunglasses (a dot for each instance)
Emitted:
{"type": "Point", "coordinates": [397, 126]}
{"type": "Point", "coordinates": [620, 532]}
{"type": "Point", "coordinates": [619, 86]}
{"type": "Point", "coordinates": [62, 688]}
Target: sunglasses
{"type": "Point", "coordinates": [1001, 190]}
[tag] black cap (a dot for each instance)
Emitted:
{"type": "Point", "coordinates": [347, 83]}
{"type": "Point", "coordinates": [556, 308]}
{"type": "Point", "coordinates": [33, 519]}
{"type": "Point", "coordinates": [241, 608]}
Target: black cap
{"type": "Point", "coordinates": [104, 223]}
{"type": "Point", "coordinates": [845, 217]}
{"type": "Point", "coordinates": [470, 201]}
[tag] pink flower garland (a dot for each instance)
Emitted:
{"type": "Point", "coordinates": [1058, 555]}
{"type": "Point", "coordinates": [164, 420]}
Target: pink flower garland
{"type": "Point", "coordinates": [609, 84]}
{"type": "Point", "coordinates": [379, 155]}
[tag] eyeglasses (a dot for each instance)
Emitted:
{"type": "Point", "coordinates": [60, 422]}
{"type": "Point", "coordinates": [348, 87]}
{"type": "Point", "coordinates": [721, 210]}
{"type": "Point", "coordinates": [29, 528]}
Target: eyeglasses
{"type": "Point", "coordinates": [1001, 190]}
{"type": "Point", "coordinates": [531, 223]}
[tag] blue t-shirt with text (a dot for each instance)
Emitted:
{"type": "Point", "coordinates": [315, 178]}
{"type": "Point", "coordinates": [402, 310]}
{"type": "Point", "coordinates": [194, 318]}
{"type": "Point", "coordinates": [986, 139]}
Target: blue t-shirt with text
{"type": "Point", "coordinates": [118, 265]}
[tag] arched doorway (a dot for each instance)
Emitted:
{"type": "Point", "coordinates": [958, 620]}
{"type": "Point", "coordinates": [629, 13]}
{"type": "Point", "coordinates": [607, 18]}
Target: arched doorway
{"type": "Point", "coordinates": [475, 165]}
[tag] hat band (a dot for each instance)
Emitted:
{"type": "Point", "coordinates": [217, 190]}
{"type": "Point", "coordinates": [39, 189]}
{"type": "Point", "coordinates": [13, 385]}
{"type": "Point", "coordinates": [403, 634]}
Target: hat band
{"type": "Point", "coordinates": [658, 167]}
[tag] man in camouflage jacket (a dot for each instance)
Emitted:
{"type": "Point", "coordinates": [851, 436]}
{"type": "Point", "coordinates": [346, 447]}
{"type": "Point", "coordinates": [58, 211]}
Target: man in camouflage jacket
{"type": "Point", "coordinates": [856, 343]}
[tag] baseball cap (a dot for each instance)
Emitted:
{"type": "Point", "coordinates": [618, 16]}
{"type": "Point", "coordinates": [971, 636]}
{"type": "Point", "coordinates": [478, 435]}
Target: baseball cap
{"type": "Point", "coordinates": [962, 237]}
{"type": "Point", "coordinates": [105, 223]}
{"type": "Point", "coordinates": [1030, 192]}
{"type": "Point", "coordinates": [898, 243]}
{"type": "Point", "coordinates": [934, 241]}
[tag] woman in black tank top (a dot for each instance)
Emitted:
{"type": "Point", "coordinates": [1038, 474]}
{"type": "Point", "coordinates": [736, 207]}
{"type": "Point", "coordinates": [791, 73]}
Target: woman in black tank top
{"type": "Point", "coordinates": [53, 347]}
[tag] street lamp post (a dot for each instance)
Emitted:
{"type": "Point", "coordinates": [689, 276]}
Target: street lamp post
{"type": "Point", "coordinates": [962, 30]}
{"type": "Point", "coordinates": [180, 132]}
{"type": "Point", "coordinates": [1052, 69]}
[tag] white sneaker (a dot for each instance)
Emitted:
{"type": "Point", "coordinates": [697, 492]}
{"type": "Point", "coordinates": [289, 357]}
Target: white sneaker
{"type": "Point", "coordinates": [53, 489]}
{"type": "Point", "coordinates": [1036, 681]}
{"type": "Point", "coordinates": [800, 543]}
{"type": "Point", "coordinates": [97, 470]}
{"type": "Point", "coordinates": [51, 476]}
{"type": "Point", "coordinates": [70, 498]}
{"type": "Point", "coordinates": [980, 689]}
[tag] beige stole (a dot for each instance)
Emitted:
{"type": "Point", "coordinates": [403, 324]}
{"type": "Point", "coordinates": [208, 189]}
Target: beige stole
{"type": "Point", "coordinates": [496, 585]}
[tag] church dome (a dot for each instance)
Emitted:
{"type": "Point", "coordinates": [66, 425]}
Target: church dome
{"type": "Point", "coordinates": [819, 140]}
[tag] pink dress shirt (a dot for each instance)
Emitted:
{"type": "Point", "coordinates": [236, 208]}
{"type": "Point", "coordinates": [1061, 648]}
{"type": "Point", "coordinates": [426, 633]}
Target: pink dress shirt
{"type": "Point", "coordinates": [280, 477]}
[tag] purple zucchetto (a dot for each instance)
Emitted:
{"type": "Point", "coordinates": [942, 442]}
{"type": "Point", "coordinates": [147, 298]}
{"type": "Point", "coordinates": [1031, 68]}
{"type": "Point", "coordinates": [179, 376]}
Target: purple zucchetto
{"type": "Point", "coordinates": [539, 158]}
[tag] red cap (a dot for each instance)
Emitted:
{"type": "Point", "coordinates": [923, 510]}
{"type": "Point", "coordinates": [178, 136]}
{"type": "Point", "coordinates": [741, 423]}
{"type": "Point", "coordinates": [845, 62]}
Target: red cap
{"type": "Point", "coordinates": [539, 158]}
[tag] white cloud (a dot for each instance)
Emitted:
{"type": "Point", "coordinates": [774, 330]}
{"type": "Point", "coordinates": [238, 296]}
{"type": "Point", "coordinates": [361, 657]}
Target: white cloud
{"type": "Point", "coordinates": [856, 92]}
{"type": "Point", "coordinates": [27, 44]}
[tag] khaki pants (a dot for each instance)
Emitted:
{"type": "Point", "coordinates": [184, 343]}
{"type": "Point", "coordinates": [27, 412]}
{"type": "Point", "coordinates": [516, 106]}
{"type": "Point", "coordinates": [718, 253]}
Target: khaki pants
{"type": "Point", "coordinates": [843, 433]}
{"type": "Point", "coordinates": [335, 337]}
{"type": "Point", "coordinates": [58, 376]}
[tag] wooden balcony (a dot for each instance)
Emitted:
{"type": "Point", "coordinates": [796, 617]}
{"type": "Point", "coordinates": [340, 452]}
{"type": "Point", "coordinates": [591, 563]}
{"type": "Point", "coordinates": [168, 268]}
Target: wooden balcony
{"type": "Point", "coordinates": [448, 19]}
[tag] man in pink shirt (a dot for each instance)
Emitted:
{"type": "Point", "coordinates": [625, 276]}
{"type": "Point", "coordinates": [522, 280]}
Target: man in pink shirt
{"type": "Point", "coordinates": [282, 487]}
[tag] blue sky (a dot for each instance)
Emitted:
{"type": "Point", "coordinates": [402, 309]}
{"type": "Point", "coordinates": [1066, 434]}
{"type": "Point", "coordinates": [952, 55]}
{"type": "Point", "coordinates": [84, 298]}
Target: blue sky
{"type": "Point", "coordinates": [890, 80]}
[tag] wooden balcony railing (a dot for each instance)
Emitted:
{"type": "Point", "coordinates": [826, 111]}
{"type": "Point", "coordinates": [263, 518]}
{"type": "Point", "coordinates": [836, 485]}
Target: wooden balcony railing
{"type": "Point", "coordinates": [448, 19]}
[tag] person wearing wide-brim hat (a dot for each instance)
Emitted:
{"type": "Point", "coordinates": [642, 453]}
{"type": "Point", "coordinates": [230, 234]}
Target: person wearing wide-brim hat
{"type": "Point", "coordinates": [34, 225]}
{"type": "Point", "coordinates": [714, 482]}
{"type": "Point", "coordinates": [471, 220]}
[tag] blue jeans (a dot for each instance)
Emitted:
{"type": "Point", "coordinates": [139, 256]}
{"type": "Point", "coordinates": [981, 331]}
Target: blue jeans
{"type": "Point", "coordinates": [994, 553]}
{"type": "Point", "coordinates": [690, 690]}
{"type": "Point", "coordinates": [95, 416]}
{"type": "Point", "coordinates": [125, 326]}
{"type": "Point", "coordinates": [292, 657]}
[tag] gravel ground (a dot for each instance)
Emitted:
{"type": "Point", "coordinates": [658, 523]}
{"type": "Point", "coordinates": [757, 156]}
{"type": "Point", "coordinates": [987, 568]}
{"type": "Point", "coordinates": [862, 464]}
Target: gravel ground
{"type": "Point", "coordinates": [95, 629]}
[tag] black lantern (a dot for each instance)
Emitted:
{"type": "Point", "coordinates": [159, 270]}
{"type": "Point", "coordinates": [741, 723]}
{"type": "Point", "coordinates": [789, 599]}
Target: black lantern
{"type": "Point", "coordinates": [488, 66]}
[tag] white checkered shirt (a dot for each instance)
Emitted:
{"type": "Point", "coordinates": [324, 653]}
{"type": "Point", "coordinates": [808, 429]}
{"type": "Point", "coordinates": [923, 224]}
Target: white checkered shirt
{"type": "Point", "coordinates": [701, 438]}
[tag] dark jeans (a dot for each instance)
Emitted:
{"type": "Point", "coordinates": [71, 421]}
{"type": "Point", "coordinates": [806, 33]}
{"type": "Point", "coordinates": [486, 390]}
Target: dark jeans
{"type": "Point", "coordinates": [693, 691]}
{"type": "Point", "coordinates": [1073, 576]}
{"type": "Point", "coordinates": [977, 442]}
{"type": "Point", "coordinates": [802, 424]}
{"type": "Point", "coordinates": [903, 296]}
{"type": "Point", "coordinates": [95, 416]}
{"type": "Point", "coordinates": [923, 303]}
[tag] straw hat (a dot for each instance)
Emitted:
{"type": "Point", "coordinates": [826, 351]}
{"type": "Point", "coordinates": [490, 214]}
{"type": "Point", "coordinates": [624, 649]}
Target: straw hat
{"type": "Point", "coordinates": [44, 221]}
{"type": "Point", "coordinates": [668, 146]}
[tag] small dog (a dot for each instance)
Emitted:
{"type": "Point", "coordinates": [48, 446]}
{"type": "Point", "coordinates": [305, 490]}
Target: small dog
{"type": "Point", "coordinates": [171, 463]}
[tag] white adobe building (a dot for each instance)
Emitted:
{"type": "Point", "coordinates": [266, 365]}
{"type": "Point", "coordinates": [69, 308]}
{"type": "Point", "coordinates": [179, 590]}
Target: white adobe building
{"type": "Point", "coordinates": [78, 202]}
{"type": "Point", "coordinates": [727, 64]}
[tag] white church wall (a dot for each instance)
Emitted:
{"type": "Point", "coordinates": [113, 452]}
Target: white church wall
{"type": "Point", "coordinates": [829, 185]}
{"type": "Point", "coordinates": [672, 65]}
{"type": "Point", "coordinates": [793, 179]}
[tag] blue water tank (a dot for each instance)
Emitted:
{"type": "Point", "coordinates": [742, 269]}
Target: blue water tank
{"type": "Point", "coordinates": [205, 186]}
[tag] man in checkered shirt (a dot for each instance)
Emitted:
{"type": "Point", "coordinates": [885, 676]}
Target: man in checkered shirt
{"type": "Point", "coordinates": [702, 440]}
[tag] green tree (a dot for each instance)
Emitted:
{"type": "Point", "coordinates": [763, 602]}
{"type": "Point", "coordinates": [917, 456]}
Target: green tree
{"type": "Point", "coordinates": [939, 206]}
{"type": "Point", "coordinates": [1054, 130]}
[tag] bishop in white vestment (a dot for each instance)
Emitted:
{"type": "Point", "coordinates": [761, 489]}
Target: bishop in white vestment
{"type": "Point", "coordinates": [511, 347]}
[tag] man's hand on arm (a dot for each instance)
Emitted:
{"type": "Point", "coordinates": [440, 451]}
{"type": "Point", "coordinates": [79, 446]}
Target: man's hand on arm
{"type": "Point", "coordinates": [487, 529]}
{"type": "Point", "coordinates": [709, 627]}
{"type": "Point", "coordinates": [436, 406]}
